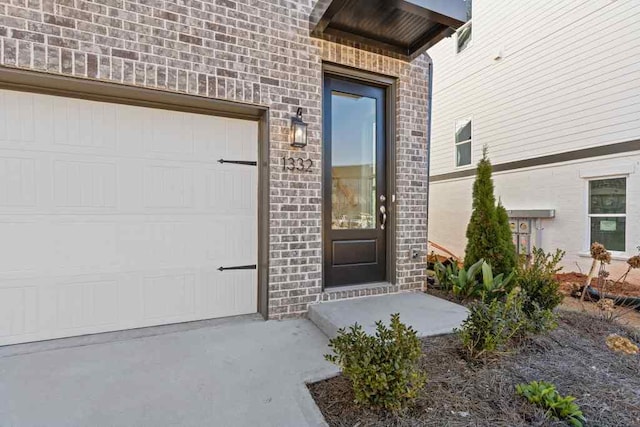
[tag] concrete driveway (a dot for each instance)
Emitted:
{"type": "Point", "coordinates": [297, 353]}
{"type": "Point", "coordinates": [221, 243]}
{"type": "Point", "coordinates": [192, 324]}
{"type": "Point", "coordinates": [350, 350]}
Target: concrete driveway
{"type": "Point", "coordinates": [244, 372]}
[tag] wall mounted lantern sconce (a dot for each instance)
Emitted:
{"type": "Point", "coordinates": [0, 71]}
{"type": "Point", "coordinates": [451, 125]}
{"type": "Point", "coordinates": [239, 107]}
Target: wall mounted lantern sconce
{"type": "Point", "coordinates": [298, 130]}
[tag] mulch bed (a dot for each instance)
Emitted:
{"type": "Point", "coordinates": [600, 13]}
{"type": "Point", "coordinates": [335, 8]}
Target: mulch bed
{"type": "Point", "coordinates": [462, 393]}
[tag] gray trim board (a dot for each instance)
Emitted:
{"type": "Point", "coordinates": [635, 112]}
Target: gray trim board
{"type": "Point", "coordinates": [94, 90]}
{"type": "Point", "coordinates": [532, 213]}
{"type": "Point", "coordinates": [429, 126]}
{"type": "Point", "coordinates": [50, 84]}
{"type": "Point", "coordinates": [585, 153]}
{"type": "Point", "coordinates": [263, 215]}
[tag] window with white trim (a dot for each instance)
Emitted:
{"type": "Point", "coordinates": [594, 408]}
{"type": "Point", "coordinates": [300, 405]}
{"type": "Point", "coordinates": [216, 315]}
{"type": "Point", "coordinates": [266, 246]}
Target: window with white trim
{"type": "Point", "coordinates": [608, 212]}
{"type": "Point", "coordinates": [463, 142]}
{"type": "Point", "coordinates": [464, 33]}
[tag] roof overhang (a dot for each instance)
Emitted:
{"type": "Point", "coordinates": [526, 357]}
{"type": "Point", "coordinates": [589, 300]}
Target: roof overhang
{"type": "Point", "coordinates": [404, 27]}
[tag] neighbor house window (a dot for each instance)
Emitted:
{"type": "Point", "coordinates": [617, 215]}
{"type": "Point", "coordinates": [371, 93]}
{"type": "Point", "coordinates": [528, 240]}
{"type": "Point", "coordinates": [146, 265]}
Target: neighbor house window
{"type": "Point", "coordinates": [608, 212]}
{"type": "Point", "coordinates": [463, 142]}
{"type": "Point", "coordinates": [463, 37]}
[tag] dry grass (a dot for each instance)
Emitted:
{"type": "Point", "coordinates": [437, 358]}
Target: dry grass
{"type": "Point", "coordinates": [462, 393]}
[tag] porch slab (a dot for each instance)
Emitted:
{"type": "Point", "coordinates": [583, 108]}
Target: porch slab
{"type": "Point", "coordinates": [427, 314]}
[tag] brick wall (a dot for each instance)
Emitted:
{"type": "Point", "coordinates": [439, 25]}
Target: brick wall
{"type": "Point", "coordinates": [253, 51]}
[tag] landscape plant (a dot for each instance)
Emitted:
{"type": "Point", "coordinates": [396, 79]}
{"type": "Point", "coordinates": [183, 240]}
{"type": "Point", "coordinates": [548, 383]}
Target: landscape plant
{"type": "Point", "coordinates": [600, 258]}
{"type": "Point", "coordinates": [486, 238]}
{"type": "Point", "coordinates": [537, 279]}
{"type": "Point", "coordinates": [491, 327]}
{"type": "Point", "coordinates": [494, 287]}
{"type": "Point", "coordinates": [445, 273]}
{"type": "Point", "coordinates": [507, 248]}
{"type": "Point", "coordinates": [632, 263]}
{"type": "Point", "coordinates": [381, 367]}
{"type": "Point", "coordinates": [464, 285]}
{"type": "Point", "coordinates": [545, 395]}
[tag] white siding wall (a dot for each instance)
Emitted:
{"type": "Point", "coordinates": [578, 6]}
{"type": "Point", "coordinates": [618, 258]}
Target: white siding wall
{"type": "Point", "coordinates": [569, 78]}
{"type": "Point", "coordinates": [558, 187]}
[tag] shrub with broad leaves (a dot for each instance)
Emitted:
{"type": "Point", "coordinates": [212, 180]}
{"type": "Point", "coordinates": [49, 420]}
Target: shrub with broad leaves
{"type": "Point", "coordinates": [491, 326]}
{"type": "Point", "coordinates": [382, 367]}
{"type": "Point", "coordinates": [537, 279]}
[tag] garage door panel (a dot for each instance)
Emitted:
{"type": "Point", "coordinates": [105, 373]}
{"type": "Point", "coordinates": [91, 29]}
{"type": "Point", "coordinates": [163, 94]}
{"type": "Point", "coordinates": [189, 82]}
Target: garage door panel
{"type": "Point", "coordinates": [52, 246]}
{"type": "Point", "coordinates": [172, 132]}
{"type": "Point", "coordinates": [237, 233]}
{"type": "Point", "coordinates": [156, 243]}
{"type": "Point", "coordinates": [118, 217]}
{"type": "Point", "coordinates": [238, 137]}
{"type": "Point", "coordinates": [168, 296]}
{"type": "Point", "coordinates": [168, 186]}
{"type": "Point", "coordinates": [17, 124]}
{"type": "Point", "coordinates": [18, 311]}
{"type": "Point", "coordinates": [206, 129]}
{"type": "Point", "coordinates": [86, 303]}
{"type": "Point", "coordinates": [85, 184]}
{"type": "Point", "coordinates": [227, 190]}
{"type": "Point", "coordinates": [38, 308]}
{"type": "Point", "coordinates": [17, 181]}
{"type": "Point", "coordinates": [22, 246]}
{"type": "Point", "coordinates": [82, 124]}
{"type": "Point", "coordinates": [231, 287]}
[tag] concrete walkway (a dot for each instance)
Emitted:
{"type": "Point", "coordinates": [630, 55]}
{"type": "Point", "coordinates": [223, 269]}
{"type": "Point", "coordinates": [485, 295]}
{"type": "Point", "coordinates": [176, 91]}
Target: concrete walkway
{"type": "Point", "coordinates": [243, 373]}
{"type": "Point", "coordinates": [427, 314]}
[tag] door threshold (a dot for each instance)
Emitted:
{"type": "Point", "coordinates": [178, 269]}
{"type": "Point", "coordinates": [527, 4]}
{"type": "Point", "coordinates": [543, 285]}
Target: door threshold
{"type": "Point", "coordinates": [359, 290]}
{"type": "Point", "coordinates": [370, 285]}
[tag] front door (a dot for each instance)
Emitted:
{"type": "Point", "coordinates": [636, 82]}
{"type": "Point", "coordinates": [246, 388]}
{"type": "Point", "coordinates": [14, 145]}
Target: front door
{"type": "Point", "coordinates": [355, 199]}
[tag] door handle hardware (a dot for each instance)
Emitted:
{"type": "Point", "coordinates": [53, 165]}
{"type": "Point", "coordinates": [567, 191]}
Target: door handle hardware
{"type": "Point", "coordinates": [383, 220]}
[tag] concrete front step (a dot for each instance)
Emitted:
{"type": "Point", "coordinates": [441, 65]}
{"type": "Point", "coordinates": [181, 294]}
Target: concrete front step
{"type": "Point", "coordinates": [427, 314]}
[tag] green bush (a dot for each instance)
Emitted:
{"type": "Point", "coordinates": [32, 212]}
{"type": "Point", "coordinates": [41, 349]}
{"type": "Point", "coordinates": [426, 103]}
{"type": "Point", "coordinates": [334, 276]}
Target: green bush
{"type": "Point", "coordinates": [382, 368]}
{"type": "Point", "coordinates": [507, 248]}
{"type": "Point", "coordinates": [488, 232]}
{"type": "Point", "coordinates": [545, 395]}
{"type": "Point", "coordinates": [537, 279]}
{"type": "Point", "coordinates": [482, 231]}
{"type": "Point", "coordinates": [492, 326]}
{"type": "Point", "coordinates": [538, 320]}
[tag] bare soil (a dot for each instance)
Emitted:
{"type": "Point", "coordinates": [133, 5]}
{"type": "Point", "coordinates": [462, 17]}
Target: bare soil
{"type": "Point", "coordinates": [467, 393]}
{"type": "Point", "coordinates": [568, 281]}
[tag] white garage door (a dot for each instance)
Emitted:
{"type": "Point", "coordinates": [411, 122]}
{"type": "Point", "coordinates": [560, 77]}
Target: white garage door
{"type": "Point", "coordinates": [115, 217]}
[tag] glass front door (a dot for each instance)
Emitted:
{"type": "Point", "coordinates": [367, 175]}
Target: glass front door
{"type": "Point", "coordinates": [354, 183]}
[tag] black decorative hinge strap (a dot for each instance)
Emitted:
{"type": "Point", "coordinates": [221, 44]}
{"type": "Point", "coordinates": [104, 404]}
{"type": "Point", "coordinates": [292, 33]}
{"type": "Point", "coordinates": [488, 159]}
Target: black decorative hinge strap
{"type": "Point", "coordinates": [239, 162]}
{"type": "Point", "coordinates": [239, 267]}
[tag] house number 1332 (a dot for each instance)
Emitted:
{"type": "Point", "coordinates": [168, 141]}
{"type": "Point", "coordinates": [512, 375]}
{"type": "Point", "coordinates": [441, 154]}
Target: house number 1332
{"type": "Point", "coordinates": [297, 164]}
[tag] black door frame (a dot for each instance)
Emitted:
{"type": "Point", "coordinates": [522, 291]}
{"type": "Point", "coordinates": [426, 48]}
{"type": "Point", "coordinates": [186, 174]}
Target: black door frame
{"type": "Point", "coordinates": [389, 84]}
